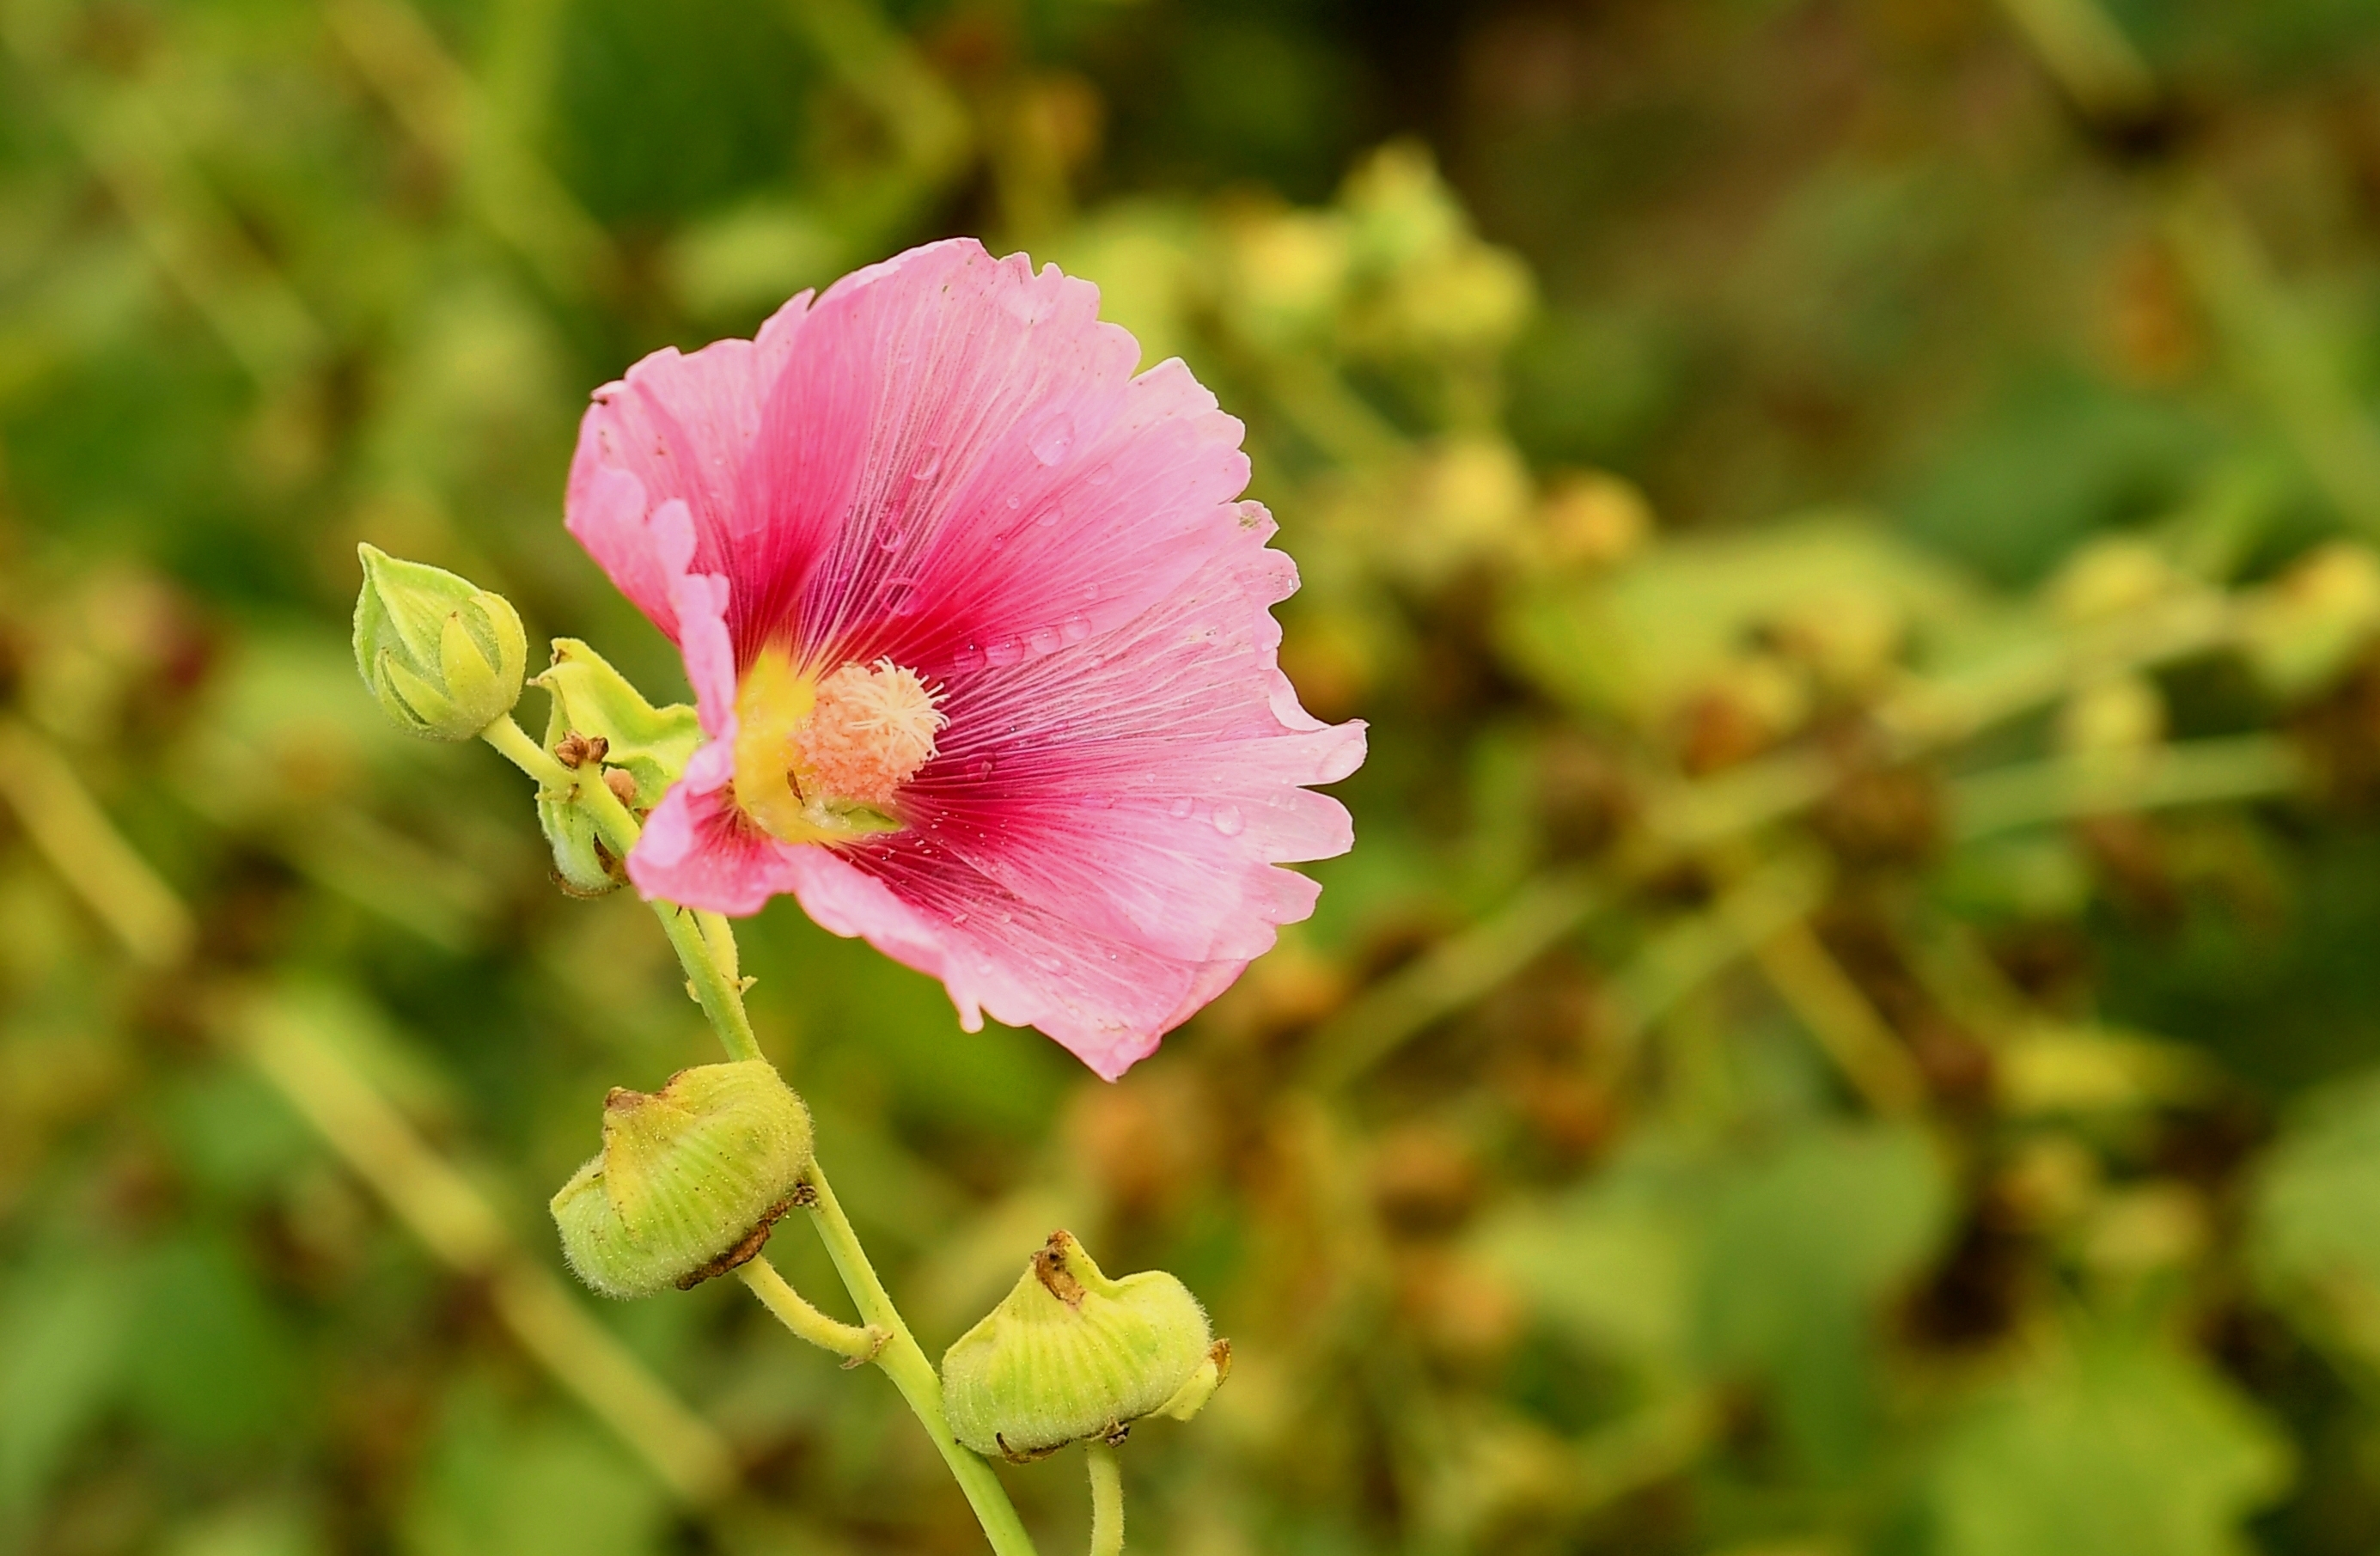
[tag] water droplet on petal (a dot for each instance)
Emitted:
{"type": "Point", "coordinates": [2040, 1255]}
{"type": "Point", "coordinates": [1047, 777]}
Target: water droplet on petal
{"type": "Point", "coordinates": [1227, 820]}
{"type": "Point", "coordinates": [890, 539]}
{"type": "Point", "coordinates": [1043, 640]}
{"type": "Point", "coordinates": [1048, 518]}
{"type": "Point", "coordinates": [967, 660]}
{"type": "Point", "coordinates": [1076, 628]}
{"type": "Point", "coordinates": [1005, 652]}
{"type": "Point", "coordinates": [1101, 476]}
{"type": "Point", "coordinates": [1055, 439]}
{"type": "Point", "coordinates": [928, 466]}
{"type": "Point", "coordinates": [979, 769]}
{"type": "Point", "coordinates": [1014, 501]}
{"type": "Point", "coordinates": [1179, 808]}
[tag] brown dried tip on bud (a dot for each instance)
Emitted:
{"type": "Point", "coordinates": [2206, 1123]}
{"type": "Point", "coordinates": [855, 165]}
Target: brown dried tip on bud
{"type": "Point", "coordinates": [622, 785]}
{"type": "Point", "coordinates": [574, 751]}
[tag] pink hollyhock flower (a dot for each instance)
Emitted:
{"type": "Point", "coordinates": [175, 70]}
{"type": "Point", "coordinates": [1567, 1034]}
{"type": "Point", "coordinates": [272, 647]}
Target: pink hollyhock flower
{"type": "Point", "coordinates": [980, 639]}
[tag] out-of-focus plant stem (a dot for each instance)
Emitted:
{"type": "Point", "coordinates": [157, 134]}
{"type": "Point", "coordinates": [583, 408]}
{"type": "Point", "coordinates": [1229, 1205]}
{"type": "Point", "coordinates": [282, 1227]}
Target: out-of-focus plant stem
{"type": "Point", "coordinates": [2087, 784]}
{"type": "Point", "coordinates": [705, 945]}
{"type": "Point", "coordinates": [904, 1362]}
{"type": "Point", "coordinates": [1449, 977]}
{"type": "Point", "coordinates": [435, 1201]}
{"type": "Point", "coordinates": [1106, 1499]}
{"type": "Point", "coordinates": [454, 1220]}
{"type": "Point", "coordinates": [83, 847]}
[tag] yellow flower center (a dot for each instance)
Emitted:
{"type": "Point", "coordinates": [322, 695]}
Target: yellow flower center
{"type": "Point", "coordinates": [818, 761]}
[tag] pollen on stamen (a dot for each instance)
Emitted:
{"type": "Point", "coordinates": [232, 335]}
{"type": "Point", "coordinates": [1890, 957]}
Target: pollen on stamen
{"type": "Point", "coordinates": [871, 730]}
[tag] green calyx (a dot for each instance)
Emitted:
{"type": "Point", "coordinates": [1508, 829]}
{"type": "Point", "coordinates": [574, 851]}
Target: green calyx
{"type": "Point", "coordinates": [443, 657]}
{"type": "Point", "coordinates": [643, 748]}
{"type": "Point", "coordinates": [689, 1181]}
{"type": "Point", "coordinates": [1070, 1354]}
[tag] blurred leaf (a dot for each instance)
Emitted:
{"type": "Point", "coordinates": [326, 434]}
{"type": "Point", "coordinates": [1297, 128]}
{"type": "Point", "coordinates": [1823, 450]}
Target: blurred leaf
{"type": "Point", "coordinates": [1805, 1243]}
{"type": "Point", "coordinates": [61, 1353]}
{"type": "Point", "coordinates": [497, 1487]}
{"type": "Point", "coordinates": [212, 1367]}
{"type": "Point", "coordinates": [1639, 640]}
{"type": "Point", "coordinates": [2124, 1450]}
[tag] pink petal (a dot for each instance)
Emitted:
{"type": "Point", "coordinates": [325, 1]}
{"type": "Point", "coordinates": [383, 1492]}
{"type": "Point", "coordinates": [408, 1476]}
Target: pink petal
{"type": "Point", "coordinates": [1108, 1003]}
{"type": "Point", "coordinates": [700, 852]}
{"type": "Point", "coordinates": [683, 428]}
{"type": "Point", "coordinates": [1145, 784]}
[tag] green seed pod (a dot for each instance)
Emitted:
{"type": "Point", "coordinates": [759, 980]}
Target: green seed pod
{"type": "Point", "coordinates": [689, 1181]}
{"type": "Point", "coordinates": [443, 657]}
{"type": "Point", "coordinates": [1070, 1355]}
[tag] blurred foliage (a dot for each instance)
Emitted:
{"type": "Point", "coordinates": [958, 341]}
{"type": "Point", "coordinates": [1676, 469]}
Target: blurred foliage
{"type": "Point", "coordinates": [1851, 1024]}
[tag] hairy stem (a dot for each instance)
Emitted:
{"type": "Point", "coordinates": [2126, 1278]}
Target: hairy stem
{"type": "Point", "coordinates": [705, 944]}
{"type": "Point", "coordinates": [906, 1363]}
{"type": "Point", "coordinates": [1107, 1499]}
{"type": "Point", "coordinates": [854, 1344]}
{"type": "Point", "coordinates": [715, 986]}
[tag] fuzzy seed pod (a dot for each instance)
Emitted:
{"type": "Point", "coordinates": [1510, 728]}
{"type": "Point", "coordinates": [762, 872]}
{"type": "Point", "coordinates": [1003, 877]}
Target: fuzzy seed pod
{"type": "Point", "coordinates": [1070, 1354]}
{"type": "Point", "coordinates": [689, 1181]}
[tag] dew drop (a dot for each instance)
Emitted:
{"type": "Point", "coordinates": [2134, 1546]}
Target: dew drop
{"type": "Point", "coordinates": [1227, 820]}
{"type": "Point", "coordinates": [1043, 640]}
{"type": "Point", "coordinates": [1076, 628]}
{"type": "Point", "coordinates": [1048, 518]}
{"type": "Point", "coordinates": [1005, 652]}
{"type": "Point", "coordinates": [1179, 808]}
{"type": "Point", "coordinates": [928, 466]}
{"type": "Point", "coordinates": [1102, 475]}
{"type": "Point", "coordinates": [980, 769]}
{"type": "Point", "coordinates": [890, 539]}
{"type": "Point", "coordinates": [1014, 501]}
{"type": "Point", "coordinates": [967, 660]}
{"type": "Point", "coordinates": [1054, 439]}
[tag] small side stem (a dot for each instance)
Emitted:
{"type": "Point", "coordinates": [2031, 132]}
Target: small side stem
{"type": "Point", "coordinates": [906, 1363]}
{"type": "Point", "coordinates": [715, 987]}
{"type": "Point", "coordinates": [1107, 1499]}
{"type": "Point", "coordinates": [853, 1342]}
{"type": "Point", "coordinates": [508, 736]}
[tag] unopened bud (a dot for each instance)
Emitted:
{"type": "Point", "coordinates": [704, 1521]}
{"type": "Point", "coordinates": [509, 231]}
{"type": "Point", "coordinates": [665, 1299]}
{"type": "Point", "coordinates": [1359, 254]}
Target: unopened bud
{"type": "Point", "coordinates": [689, 1181]}
{"type": "Point", "coordinates": [443, 657]}
{"type": "Point", "coordinates": [1071, 1354]}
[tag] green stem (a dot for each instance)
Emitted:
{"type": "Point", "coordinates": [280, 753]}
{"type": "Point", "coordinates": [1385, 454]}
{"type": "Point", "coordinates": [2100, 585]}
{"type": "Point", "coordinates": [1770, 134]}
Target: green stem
{"type": "Point", "coordinates": [906, 1363]}
{"type": "Point", "coordinates": [705, 948]}
{"type": "Point", "coordinates": [506, 736]}
{"type": "Point", "coordinates": [1107, 1499]}
{"type": "Point", "coordinates": [721, 998]}
{"type": "Point", "coordinates": [705, 944]}
{"type": "Point", "coordinates": [717, 990]}
{"type": "Point", "coordinates": [854, 1344]}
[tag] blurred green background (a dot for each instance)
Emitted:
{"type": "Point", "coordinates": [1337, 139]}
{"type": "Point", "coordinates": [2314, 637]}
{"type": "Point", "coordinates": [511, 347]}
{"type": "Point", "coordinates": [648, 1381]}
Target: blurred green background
{"type": "Point", "coordinates": [1853, 1021]}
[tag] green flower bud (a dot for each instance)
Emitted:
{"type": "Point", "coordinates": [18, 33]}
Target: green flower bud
{"type": "Point", "coordinates": [443, 656]}
{"type": "Point", "coordinates": [689, 1181]}
{"type": "Point", "coordinates": [1071, 1354]}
